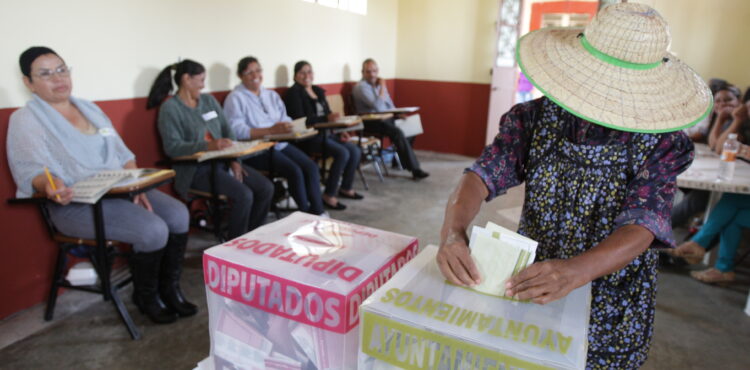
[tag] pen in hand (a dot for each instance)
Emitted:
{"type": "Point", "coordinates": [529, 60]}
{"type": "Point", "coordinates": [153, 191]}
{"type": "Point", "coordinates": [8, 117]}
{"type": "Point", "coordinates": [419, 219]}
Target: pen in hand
{"type": "Point", "coordinates": [52, 183]}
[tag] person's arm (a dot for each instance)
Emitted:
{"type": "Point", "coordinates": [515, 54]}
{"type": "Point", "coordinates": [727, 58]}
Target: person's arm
{"type": "Point", "coordinates": [716, 129]}
{"type": "Point", "coordinates": [295, 106]}
{"type": "Point", "coordinates": [280, 107]}
{"type": "Point", "coordinates": [454, 256]}
{"type": "Point", "coordinates": [500, 167]}
{"type": "Point", "coordinates": [550, 280]}
{"type": "Point", "coordinates": [174, 135]}
{"type": "Point", "coordinates": [236, 116]}
{"type": "Point", "coordinates": [739, 118]}
{"type": "Point", "coordinates": [367, 98]}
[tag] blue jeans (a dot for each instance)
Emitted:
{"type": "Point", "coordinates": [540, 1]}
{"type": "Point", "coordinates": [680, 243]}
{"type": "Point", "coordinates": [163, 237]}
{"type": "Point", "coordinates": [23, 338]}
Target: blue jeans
{"type": "Point", "coordinates": [346, 158]}
{"type": "Point", "coordinates": [126, 221]}
{"type": "Point", "coordinates": [300, 172]}
{"type": "Point", "coordinates": [726, 220]}
{"type": "Point", "coordinates": [250, 199]}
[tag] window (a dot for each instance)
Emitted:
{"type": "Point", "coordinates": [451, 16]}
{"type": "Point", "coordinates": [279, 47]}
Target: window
{"type": "Point", "coordinates": [354, 6]}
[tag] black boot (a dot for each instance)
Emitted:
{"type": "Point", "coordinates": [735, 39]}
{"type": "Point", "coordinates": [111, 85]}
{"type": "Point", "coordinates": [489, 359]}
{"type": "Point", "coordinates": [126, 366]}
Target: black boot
{"type": "Point", "coordinates": [145, 270]}
{"type": "Point", "coordinates": [169, 280]}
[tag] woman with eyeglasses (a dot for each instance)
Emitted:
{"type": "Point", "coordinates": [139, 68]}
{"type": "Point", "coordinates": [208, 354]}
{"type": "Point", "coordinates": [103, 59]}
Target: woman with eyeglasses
{"type": "Point", "coordinates": [74, 139]}
{"type": "Point", "coordinates": [254, 112]}
{"type": "Point", "coordinates": [191, 122]}
{"type": "Point", "coordinates": [307, 100]}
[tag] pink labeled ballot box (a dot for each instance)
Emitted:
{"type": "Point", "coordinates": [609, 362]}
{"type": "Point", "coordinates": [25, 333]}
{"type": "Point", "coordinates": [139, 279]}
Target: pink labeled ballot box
{"type": "Point", "coordinates": [287, 295]}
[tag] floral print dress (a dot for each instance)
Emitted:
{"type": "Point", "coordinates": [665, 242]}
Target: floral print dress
{"type": "Point", "coordinates": [583, 181]}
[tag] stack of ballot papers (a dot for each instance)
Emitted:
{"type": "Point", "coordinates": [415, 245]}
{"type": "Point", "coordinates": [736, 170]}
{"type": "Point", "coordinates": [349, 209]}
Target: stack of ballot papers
{"type": "Point", "coordinates": [236, 148]}
{"type": "Point", "coordinates": [499, 254]}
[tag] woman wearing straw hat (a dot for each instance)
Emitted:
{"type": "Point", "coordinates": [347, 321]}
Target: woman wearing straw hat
{"type": "Point", "coordinates": [599, 155]}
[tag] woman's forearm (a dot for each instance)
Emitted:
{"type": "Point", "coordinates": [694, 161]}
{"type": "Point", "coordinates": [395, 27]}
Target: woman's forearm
{"type": "Point", "coordinates": [613, 253]}
{"type": "Point", "coordinates": [463, 205]}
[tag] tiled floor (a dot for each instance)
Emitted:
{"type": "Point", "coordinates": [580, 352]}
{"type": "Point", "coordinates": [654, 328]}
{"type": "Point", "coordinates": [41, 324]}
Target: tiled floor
{"type": "Point", "coordinates": [697, 326]}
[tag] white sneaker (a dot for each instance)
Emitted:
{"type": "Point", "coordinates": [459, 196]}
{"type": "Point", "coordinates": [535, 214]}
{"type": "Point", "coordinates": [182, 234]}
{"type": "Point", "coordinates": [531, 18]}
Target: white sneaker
{"type": "Point", "coordinates": [325, 214]}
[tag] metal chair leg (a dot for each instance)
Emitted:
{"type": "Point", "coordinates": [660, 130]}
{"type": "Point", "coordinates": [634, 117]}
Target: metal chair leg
{"type": "Point", "coordinates": [362, 176]}
{"type": "Point", "coordinates": [56, 278]}
{"type": "Point", "coordinates": [135, 334]}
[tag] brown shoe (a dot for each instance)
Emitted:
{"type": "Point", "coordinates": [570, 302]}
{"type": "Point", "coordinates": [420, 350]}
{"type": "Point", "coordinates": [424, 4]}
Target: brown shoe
{"type": "Point", "coordinates": [713, 276]}
{"type": "Point", "coordinates": [691, 251]}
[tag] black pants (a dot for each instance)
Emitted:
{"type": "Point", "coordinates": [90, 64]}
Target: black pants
{"type": "Point", "coordinates": [251, 198]}
{"type": "Point", "coordinates": [405, 152]}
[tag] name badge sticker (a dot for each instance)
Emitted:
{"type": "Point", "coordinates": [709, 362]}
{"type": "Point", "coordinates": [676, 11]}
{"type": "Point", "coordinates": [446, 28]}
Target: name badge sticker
{"type": "Point", "coordinates": [210, 115]}
{"type": "Point", "coordinates": [106, 131]}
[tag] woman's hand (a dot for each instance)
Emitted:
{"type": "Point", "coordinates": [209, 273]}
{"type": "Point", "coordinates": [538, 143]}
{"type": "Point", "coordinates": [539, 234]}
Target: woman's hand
{"type": "Point", "coordinates": [220, 144]}
{"type": "Point", "coordinates": [455, 262]}
{"type": "Point", "coordinates": [739, 114]}
{"type": "Point", "coordinates": [544, 282]}
{"type": "Point", "coordinates": [345, 136]}
{"type": "Point", "coordinates": [238, 171]}
{"type": "Point", "coordinates": [142, 200]}
{"type": "Point", "coordinates": [63, 195]}
{"type": "Point", "coordinates": [333, 117]}
{"type": "Point", "coordinates": [281, 128]}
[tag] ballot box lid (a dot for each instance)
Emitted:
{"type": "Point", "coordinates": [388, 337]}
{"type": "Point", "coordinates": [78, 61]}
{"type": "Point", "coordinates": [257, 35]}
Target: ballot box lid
{"type": "Point", "coordinates": [330, 254]}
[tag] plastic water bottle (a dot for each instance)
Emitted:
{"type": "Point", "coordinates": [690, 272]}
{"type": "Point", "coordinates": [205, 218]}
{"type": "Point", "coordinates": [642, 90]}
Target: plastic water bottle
{"type": "Point", "coordinates": [728, 157]}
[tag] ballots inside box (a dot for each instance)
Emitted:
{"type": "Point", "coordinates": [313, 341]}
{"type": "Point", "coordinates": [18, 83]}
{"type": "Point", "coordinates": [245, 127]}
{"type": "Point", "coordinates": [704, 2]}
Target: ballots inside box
{"type": "Point", "coordinates": [295, 286]}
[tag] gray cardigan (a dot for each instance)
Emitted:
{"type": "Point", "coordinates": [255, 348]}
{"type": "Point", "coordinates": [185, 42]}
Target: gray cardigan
{"type": "Point", "coordinates": [183, 131]}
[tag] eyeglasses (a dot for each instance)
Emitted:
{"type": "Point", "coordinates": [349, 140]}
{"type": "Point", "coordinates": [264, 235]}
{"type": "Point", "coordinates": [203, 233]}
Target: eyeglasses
{"type": "Point", "coordinates": [256, 71]}
{"type": "Point", "coordinates": [46, 74]}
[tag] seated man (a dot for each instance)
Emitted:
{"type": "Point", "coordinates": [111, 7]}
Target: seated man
{"type": "Point", "coordinates": [371, 96]}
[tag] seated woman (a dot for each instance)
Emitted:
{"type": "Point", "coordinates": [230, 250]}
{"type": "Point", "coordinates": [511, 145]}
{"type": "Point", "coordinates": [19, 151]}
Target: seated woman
{"type": "Point", "coordinates": [306, 100]}
{"type": "Point", "coordinates": [726, 221]}
{"type": "Point", "coordinates": [191, 122]}
{"type": "Point", "coordinates": [731, 117]}
{"type": "Point", "coordinates": [75, 140]}
{"type": "Point", "coordinates": [254, 112]}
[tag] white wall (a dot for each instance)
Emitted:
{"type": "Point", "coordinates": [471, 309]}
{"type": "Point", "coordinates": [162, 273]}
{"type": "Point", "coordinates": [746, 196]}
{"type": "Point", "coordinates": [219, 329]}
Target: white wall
{"type": "Point", "coordinates": [446, 40]}
{"type": "Point", "coordinates": [117, 47]}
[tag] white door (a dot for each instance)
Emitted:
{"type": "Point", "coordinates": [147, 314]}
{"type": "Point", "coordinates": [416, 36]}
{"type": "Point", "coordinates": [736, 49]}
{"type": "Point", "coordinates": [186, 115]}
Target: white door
{"type": "Point", "coordinates": [504, 74]}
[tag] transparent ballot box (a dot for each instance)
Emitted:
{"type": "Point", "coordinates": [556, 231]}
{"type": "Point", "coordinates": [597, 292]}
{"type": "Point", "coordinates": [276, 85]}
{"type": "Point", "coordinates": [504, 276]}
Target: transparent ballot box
{"type": "Point", "coordinates": [419, 321]}
{"type": "Point", "coordinates": [287, 295]}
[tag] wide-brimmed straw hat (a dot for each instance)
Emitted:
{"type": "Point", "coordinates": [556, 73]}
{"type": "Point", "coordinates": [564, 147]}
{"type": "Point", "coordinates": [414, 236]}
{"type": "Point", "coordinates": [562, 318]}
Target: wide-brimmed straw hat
{"type": "Point", "coordinates": [616, 72]}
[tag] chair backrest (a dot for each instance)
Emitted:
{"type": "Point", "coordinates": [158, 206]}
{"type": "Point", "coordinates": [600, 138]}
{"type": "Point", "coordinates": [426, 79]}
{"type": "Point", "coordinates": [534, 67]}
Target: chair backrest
{"type": "Point", "coordinates": [336, 102]}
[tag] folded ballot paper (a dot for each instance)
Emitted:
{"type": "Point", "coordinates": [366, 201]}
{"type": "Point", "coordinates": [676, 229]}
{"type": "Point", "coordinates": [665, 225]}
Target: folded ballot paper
{"type": "Point", "coordinates": [499, 254]}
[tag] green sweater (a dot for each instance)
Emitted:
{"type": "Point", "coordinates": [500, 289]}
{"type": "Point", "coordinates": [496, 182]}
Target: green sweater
{"type": "Point", "coordinates": [183, 131]}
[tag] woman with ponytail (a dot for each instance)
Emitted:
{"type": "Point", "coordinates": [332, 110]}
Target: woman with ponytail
{"type": "Point", "coordinates": [191, 122]}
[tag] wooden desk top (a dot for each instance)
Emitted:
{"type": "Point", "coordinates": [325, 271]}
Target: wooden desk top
{"type": "Point", "coordinates": [146, 180]}
{"type": "Point", "coordinates": [402, 110]}
{"type": "Point", "coordinates": [324, 125]}
{"type": "Point", "coordinates": [376, 116]}
{"type": "Point", "coordinates": [703, 173]}
{"type": "Point", "coordinates": [228, 154]}
{"type": "Point", "coordinates": [291, 136]}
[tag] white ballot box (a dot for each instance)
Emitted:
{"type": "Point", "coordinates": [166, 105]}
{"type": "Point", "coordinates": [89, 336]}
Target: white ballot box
{"type": "Point", "coordinates": [419, 321]}
{"type": "Point", "coordinates": [287, 295]}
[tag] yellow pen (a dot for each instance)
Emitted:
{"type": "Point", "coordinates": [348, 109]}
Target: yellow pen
{"type": "Point", "coordinates": [51, 183]}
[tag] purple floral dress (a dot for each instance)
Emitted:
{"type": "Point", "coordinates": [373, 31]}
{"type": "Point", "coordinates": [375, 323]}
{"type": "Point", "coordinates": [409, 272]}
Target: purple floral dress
{"type": "Point", "coordinates": [583, 181]}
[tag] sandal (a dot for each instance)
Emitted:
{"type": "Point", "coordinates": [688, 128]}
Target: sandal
{"type": "Point", "coordinates": [356, 195]}
{"type": "Point", "coordinates": [691, 251]}
{"type": "Point", "coordinates": [713, 276]}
